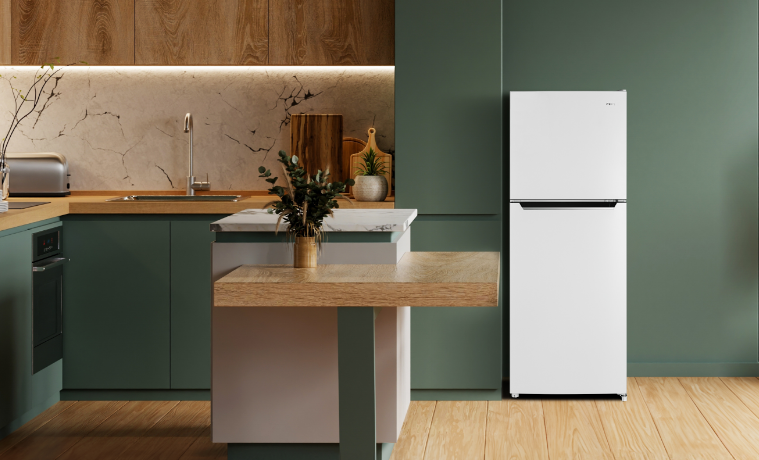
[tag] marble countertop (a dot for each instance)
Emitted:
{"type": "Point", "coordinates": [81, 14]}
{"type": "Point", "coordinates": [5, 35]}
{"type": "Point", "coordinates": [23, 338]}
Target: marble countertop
{"type": "Point", "coordinates": [345, 220]}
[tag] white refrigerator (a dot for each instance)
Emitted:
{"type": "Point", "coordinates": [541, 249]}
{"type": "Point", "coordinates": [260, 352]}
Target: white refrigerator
{"type": "Point", "coordinates": [568, 242]}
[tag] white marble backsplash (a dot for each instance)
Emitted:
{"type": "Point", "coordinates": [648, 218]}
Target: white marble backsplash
{"type": "Point", "coordinates": [121, 128]}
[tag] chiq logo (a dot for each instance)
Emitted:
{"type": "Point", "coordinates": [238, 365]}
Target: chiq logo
{"type": "Point", "coordinates": [610, 103]}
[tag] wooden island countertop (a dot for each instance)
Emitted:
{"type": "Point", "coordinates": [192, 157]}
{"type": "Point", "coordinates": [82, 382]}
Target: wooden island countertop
{"type": "Point", "coordinates": [420, 279]}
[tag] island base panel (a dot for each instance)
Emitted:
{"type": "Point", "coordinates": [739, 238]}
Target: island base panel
{"type": "Point", "coordinates": [275, 374]}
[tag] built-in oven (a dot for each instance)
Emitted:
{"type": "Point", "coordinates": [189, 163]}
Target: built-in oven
{"type": "Point", "coordinates": [47, 298]}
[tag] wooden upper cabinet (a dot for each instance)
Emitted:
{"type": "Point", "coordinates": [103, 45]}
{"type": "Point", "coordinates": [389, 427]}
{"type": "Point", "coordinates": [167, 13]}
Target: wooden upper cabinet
{"type": "Point", "coordinates": [201, 32]}
{"type": "Point", "coordinates": [5, 32]}
{"type": "Point", "coordinates": [100, 32]}
{"type": "Point", "coordinates": [332, 32]}
{"type": "Point", "coordinates": [198, 32]}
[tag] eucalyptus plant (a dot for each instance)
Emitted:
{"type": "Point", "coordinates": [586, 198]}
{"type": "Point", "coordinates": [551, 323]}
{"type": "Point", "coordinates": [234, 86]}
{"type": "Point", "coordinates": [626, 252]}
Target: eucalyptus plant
{"type": "Point", "coordinates": [304, 201]}
{"type": "Point", "coordinates": [372, 164]}
{"type": "Point", "coordinates": [25, 104]}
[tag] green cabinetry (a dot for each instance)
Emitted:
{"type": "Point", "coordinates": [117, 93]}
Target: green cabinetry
{"type": "Point", "coordinates": [448, 122]}
{"type": "Point", "coordinates": [116, 300]}
{"type": "Point", "coordinates": [137, 294]}
{"type": "Point", "coordinates": [449, 137]}
{"type": "Point", "coordinates": [15, 325]}
{"type": "Point", "coordinates": [22, 394]}
{"type": "Point", "coordinates": [456, 348]}
{"type": "Point", "coordinates": [191, 303]}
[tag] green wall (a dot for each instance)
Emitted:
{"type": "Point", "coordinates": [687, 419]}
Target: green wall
{"type": "Point", "coordinates": [690, 69]}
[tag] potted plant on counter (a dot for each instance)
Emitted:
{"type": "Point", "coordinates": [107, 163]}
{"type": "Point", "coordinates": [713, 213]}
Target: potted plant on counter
{"type": "Point", "coordinates": [371, 184]}
{"type": "Point", "coordinates": [303, 204]}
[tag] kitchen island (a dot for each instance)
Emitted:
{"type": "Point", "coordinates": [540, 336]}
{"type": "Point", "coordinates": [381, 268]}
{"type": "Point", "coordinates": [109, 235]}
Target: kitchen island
{"type": "Point", "coordinates": [304, 365]}
{"type": "Point", "coordinates": [275, 371]}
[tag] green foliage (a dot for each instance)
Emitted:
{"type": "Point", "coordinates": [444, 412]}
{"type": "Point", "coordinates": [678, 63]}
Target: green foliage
{"type": "Point", "coordinates": [373, 165]}
{"type": "Point", "coordinates": [303, 202]}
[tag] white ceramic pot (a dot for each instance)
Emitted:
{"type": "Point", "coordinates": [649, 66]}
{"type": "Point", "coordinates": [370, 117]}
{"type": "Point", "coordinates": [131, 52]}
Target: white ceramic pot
{"type": "Point", "coordinates": [370, 188]}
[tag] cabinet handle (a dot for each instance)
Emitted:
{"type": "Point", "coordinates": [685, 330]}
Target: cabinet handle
{"type": "Point", "coordinates": [48, 264]}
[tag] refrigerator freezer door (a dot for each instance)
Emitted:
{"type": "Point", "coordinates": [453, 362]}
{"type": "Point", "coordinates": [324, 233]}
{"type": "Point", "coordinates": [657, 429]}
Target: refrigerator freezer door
{"type": "Point", "coordinates": [568, 300]}
{"type": "Point", "coordinates": [568, 145]}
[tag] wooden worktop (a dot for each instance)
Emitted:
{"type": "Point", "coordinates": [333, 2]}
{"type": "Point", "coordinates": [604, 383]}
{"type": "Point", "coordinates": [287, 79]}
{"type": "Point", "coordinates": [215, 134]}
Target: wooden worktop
{"type": "Point", "coordinates": [95, 203]}
{"type": "Point", "coordinates": [420, 279]}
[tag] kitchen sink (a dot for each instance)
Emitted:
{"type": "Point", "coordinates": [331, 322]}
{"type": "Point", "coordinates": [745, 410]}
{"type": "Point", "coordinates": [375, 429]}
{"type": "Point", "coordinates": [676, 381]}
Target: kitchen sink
{"type": "Point", "coordinates": [176, 198]}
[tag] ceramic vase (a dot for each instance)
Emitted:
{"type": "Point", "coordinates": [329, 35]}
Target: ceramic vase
{"type": "Point", "coordinates": [305, 252]}
{"type": "Point", "coordinates": [370, 188]}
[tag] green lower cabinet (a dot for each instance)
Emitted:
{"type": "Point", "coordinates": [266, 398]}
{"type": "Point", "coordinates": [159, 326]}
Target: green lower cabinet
{"type": "Point", "coordinates": [117, 319]}
{"type": "Point", "coordinates": [23, 395]}
{"type": "Point", "coordinates": [15, 326]}
{"type": "Point", "coordinates": [456, 348]}
{"type": "Point", "coordinates": [191, 303]}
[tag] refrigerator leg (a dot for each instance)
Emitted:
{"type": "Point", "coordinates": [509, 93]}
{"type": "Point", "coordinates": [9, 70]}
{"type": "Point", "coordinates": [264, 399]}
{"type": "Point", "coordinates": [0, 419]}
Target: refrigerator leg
{"type": "Point", "coordinates": [514, 395]}
{"type": "Point", "coordinates": [624, 397]}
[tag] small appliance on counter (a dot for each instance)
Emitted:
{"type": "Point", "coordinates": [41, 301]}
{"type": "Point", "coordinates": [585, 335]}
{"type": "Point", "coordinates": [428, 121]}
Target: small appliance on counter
{"type": "Point", "coordinates": [38, 174]}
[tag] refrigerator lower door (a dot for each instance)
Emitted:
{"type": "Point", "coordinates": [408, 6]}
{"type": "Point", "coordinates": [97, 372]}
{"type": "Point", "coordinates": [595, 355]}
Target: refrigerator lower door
{"type": "Point", "coordinates": [568, 300]}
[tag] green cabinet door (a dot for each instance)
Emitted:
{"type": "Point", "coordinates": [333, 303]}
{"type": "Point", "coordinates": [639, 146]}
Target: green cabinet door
{"type": "Point", "coordinates": [116, 300]}
{"type": "Point", "coordinates": [15, 326]}
{"type": "Point", "coordinates": [191, 303]}
{"type": "Point", "coordinates": [448, 122]}
{"type": "Point", "coordinates": [456, 348]}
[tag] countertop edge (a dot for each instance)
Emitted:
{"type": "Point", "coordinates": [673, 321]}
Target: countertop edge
{"type": "Point", "coordinates": [92, 204]}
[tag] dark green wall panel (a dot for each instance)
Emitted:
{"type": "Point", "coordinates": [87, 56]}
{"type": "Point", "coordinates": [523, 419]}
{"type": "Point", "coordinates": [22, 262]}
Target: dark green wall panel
{"type": "Point", "coordinates": [690, 69]}
{"type": "Point", "coordinates": [448, 106]}
{"type": "Point", "coordinates": [191, 303]}
{"type": "Point", "coordinates": [117, 305]}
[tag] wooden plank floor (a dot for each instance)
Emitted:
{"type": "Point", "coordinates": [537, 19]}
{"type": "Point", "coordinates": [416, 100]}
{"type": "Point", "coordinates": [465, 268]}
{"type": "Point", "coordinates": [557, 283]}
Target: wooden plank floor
{"type": "Point", "coordinates": [664, 419]}
{"type": "Point", "coordinates": [103, 430]}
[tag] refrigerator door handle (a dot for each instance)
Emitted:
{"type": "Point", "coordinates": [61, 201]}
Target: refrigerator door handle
{"type": "Point", "coordinates": [567, 205]}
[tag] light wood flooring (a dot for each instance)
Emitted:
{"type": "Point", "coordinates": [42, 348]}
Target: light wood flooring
{"type": "Point", "coordinates": [665, 418]}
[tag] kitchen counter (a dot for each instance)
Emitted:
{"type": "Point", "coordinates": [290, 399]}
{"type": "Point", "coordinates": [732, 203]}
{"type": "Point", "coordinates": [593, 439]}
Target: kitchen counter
{"type": "Point", "coordinates": [345, 219]}
{"type": "Point", "coordinates": [95, 203]}
{"type": "Point", "coordinates": [420, 279]}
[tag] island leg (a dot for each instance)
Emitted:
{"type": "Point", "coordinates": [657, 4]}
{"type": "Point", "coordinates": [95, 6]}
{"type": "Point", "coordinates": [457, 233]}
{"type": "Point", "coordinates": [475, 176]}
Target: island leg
{"type": "Point", "coordinates": [357, 384]}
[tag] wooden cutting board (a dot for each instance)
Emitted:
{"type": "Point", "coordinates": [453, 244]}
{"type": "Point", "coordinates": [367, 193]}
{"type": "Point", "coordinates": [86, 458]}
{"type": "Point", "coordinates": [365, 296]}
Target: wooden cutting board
{"type": "Point", "coordinates": [351, 145]}
{"type": "Point", "coordinates": [386, 158]}
{"type": "Point", "coordinates": [317, 140]}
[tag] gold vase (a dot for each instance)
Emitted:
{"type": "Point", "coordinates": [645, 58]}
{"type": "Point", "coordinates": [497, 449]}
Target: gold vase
{"type": "Point", "coordinates": [305, 252]}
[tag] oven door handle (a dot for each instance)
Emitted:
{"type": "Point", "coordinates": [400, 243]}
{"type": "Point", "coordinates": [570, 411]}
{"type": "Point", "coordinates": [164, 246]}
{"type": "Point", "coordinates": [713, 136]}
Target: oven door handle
{"type": "Point", "coordinates": [46, 264]}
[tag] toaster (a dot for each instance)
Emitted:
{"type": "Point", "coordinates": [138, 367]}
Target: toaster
{"type": "Point", "coordinates": [38, 174]}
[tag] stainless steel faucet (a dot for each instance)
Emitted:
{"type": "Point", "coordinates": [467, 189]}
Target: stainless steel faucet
{"type": "Point", "coordinates": [192, 185]}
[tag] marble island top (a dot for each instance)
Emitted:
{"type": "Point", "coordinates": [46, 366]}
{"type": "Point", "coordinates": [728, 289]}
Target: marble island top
{"type": "Point", "coordinates": [345, 220]}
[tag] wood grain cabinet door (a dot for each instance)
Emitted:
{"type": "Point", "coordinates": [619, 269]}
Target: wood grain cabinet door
{"type": "Point", "coordinates": [332, 32]}
{"type": "Point", "coordinates": [201, 32]}
{"type": "Point", "coordinates": [99, 32]}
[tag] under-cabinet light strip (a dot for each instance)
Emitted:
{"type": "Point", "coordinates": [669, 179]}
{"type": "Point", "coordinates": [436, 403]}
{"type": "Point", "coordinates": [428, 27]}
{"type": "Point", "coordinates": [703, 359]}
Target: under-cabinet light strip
{"type": "Point", "coordinates": [228, 69]}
